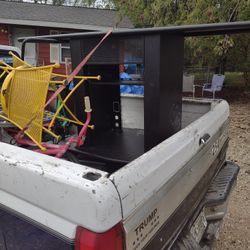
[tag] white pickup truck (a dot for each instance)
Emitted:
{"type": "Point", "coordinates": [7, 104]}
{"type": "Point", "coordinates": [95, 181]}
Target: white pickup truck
{"type": "Point", "coordinates": [162, 199]}
{"type": "Point", "coordinates": [173, 195]}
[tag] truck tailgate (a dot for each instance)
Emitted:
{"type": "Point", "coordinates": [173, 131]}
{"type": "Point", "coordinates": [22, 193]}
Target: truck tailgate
{"type": "Point", "coordinates": [54, 195]}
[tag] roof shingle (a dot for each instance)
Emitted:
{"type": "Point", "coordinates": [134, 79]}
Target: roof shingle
{"type": "Point", "coordinates": [62, 14]}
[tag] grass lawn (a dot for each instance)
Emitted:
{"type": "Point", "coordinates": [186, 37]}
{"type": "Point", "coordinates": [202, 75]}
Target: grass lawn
{"type": "Point", "coordinates": [232, 79]}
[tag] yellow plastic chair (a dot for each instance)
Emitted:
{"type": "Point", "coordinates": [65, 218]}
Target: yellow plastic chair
{"type": "Point", "coordinates": [23, 97]}
{"type": "Point", "coordinates": [17, 62]}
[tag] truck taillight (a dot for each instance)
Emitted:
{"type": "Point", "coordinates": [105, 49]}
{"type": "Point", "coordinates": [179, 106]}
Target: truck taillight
{"type": "Point", "coordinates": [109, 240]}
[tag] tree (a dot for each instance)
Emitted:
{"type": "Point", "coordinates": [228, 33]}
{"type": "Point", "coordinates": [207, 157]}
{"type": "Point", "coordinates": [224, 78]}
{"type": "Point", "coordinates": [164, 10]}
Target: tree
{"type": "Point", "coordinates": [215, 51]}
{"type": "Point", "coordinates": [107, 4]}
{"type": "Point", "coordinates": [80, 3]}
{"type": "Point", "coordinates": [149, 13]}
{"type": "Point", "coordinates": [217, 11]}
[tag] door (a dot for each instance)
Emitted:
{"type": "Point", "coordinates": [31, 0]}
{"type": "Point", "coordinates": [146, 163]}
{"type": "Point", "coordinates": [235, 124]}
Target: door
{"type": "Point", "coordinates": [30, 48]}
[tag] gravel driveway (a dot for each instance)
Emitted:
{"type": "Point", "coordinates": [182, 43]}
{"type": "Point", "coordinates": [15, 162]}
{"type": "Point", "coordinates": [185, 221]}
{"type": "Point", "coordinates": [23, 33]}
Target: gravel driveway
{"type": "Point", "coordinates": [235, 232]}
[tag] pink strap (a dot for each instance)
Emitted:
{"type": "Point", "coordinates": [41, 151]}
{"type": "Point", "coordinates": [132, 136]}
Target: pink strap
{"type": "Point", "coordinates": [77, 69]}
{"type": "Point", "coordinates": [85, 60]}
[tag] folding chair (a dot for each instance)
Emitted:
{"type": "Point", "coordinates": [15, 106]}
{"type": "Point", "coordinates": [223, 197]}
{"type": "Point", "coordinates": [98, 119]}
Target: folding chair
{"type": "Point", "coordinates": [215, 86]}
{"type": "Point", "coordinates": [188, 84]}
{"type": "Point", "coordinates": [23, 97]}
{"type": "Point", "coordinates": [31, 123]}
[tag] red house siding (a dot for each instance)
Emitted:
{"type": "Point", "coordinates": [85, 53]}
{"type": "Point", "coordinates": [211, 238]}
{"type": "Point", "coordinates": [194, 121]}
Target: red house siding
{"type": "Point", "coordinates": [43, 54]}
{"type": "Point", "coordinates": [4, 35]}
{"type": "Point", "coordinates": [44, 49]}
{"type": "Point", "coordinates": [44, 57]}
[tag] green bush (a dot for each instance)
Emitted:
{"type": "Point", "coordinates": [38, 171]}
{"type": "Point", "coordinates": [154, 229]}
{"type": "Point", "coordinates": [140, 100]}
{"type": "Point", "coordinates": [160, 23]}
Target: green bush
{"type": "Point", "coordinates": [234, 79]}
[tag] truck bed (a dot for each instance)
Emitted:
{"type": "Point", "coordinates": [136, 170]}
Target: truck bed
{"type": "Point", "coordinates": [111, 150]}
{"type": "Point", "coordinates": [57, 196]}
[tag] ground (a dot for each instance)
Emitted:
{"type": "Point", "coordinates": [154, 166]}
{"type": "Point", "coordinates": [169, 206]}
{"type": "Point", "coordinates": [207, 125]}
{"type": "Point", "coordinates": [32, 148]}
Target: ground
{"type": "Point", "coordinates": [235, 232]}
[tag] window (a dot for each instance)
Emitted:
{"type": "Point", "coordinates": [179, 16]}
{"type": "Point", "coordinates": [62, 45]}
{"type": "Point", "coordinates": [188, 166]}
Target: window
{"type": "Point", "coordinates": [58, 52]}
{"type": "Point", "coordinates": [65, 52]}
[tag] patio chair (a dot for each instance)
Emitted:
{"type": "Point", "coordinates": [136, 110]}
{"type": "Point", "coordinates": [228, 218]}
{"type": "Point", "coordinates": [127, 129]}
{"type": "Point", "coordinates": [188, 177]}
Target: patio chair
{"type": "Point", "coordinates": [215, 86]}
{"type": "Point", "coordinates": [23, 97]}
{"type": "Point", "coordinates": [188, 84]}
{"type": "Point", "coordinates": [20, 107]}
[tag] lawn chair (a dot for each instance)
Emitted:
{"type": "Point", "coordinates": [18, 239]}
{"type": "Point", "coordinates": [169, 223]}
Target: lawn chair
{"type": "Point", "coordinates": [188, 84]}
{"type": "Point", "coordinates": [23, 97]}
{"type": "Point", "coordinates": [215, 86]}
{"type": "Point", "coordinates": [31, 122]}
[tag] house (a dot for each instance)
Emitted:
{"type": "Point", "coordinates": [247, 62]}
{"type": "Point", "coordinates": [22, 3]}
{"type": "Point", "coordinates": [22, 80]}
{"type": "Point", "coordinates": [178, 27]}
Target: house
{"type": "Point", "coordinates": [22, 19]}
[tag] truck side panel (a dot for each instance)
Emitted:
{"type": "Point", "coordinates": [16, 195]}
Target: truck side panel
{"type": "Point", "coordinates": [163, 177]}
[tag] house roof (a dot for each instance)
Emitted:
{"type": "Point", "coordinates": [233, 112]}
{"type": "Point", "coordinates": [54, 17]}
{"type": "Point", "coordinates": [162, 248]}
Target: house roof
{"type": "Point", "coordinates": [31, 14]}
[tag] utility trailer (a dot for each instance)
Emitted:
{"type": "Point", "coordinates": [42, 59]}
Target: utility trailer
{"type": "Point", "coordinates": [151, 175]}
